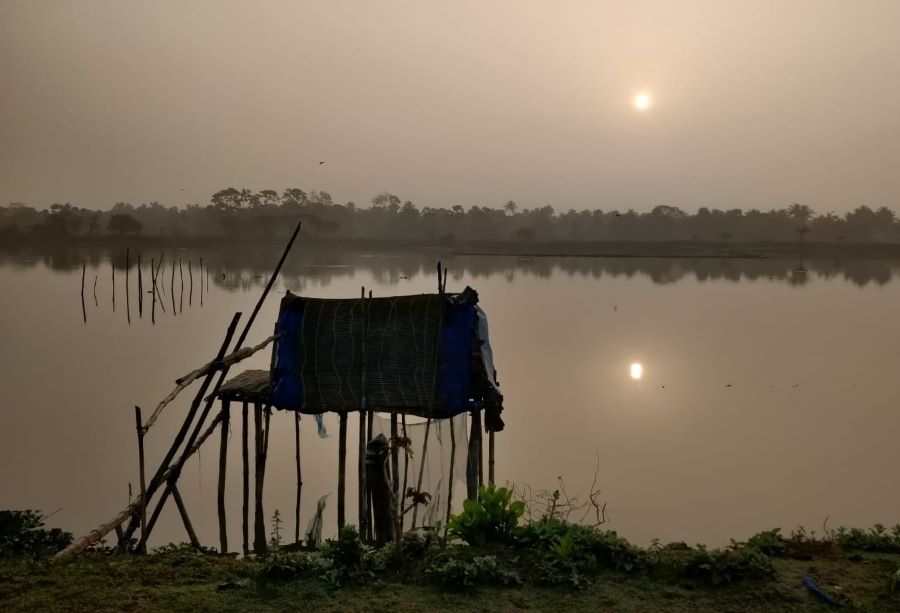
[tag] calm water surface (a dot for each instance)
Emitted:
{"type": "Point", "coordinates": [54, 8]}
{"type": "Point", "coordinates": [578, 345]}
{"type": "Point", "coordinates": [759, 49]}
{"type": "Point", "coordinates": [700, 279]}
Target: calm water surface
{"type": "Point", "coordinates": [768, 398]}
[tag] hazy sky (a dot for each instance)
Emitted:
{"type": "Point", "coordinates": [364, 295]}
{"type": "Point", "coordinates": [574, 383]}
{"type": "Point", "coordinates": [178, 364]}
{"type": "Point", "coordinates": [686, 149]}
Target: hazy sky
{"type": "Point", "coordinates": [755, 103]}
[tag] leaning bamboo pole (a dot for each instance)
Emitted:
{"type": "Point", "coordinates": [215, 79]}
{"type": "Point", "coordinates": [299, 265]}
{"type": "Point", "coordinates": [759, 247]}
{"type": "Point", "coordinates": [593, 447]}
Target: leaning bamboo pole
{"type": "Point", "coordinates": [94, 536]}
{"type": "Point", "coordinates": [183, 382]}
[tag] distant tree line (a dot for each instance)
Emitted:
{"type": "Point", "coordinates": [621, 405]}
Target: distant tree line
{"type": "Point", "coordinates": [266, 214]}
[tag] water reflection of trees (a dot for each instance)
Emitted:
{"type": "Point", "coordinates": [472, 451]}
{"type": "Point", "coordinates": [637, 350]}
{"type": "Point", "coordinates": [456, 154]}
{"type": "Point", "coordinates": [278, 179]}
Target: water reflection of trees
{"type": "Point", "coordinates": [240, 267]}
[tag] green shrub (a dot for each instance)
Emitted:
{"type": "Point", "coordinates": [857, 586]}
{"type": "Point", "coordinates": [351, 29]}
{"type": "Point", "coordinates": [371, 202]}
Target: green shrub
{"type": "Point", "coordinates": [456, 572]}
{"type": "Point", "coordinates": [490, 519]}
{"type": "Point", "coordinates": [718, 566]}
{"type": "Point", "coordinates": [582, 545]}
{"type": "Point", "coordinates": [22, 534]}
{"type": "Point", "coordinates": [769, 542]}
{"type": "Point", "coordinates": [877, 538]}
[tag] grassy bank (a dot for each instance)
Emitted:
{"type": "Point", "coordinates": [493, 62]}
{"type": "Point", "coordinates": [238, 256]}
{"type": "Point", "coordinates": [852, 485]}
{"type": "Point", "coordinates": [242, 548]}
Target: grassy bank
{"type": "Point", "coordinates": [97, 582]}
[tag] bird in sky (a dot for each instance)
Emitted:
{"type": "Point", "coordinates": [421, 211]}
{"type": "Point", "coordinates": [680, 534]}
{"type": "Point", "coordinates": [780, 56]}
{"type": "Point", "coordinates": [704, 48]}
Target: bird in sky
{"type": "Point", "coordinates": [320, 163]}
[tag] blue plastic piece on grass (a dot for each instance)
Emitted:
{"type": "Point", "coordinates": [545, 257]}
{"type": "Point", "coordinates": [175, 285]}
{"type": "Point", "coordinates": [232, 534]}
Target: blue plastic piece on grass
{"type": "Point", "coordinates": [809, 584]}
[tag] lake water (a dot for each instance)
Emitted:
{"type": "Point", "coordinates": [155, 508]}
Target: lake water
{"type": "Point", "coordinates": [769, 394]}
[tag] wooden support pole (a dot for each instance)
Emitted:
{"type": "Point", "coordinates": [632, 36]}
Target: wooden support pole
{"type": "Point", "coordinates": [140, 435]}
{"type": "Point", "coordinates": [480, 452]}
{"type": "Point", "coordinates": [452, 477]}
{"type": "Point", "coordinates": [471, 458]}
{"type": "Point", "coordinates": [245, 524]}
{"type": "Point", "coordinates": [182, 510]}
{"type": "Point", "coordinates": [342, 469]}
{"type": "Point", "coordinates": [96, 302]}
{"type": "Point", "coordinates": [191, 276]}
{"type": "Point", "coordinates": [491, 456]}
{"type": "Point", "coordinates": [259, 521]}
{"type": "Point", "coordinates": [405, 474]}
{"type": "Point", "coordinates": [112, 274]}
{"type": "Point", "coordinates": [201, 282]}
{"type": "Point", "coordinates": [223, 464]}
{"type": "Point", "coordinates": [395, 456]}
{"type": "Point", "coordinates": [299, 476]}
{"type": "Point", "coordinates": [363, 498]}
{"type": "Point", "coordinates": [421, 472]}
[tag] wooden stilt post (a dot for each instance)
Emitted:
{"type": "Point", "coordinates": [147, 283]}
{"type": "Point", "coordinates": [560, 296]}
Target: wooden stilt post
{"type": "Point", "coordinates": [472, 458]}
{"type": "Point", "coordinates": [363, 518]}
{"type": "Point", "coordinates": [364, 434]}
{"type": "Point", "coordinates": [223, 463]}
{"type": "Point", "coordinates": [491, 457]}
{"type": "Point", "coordinates": [245, 524]}
{"type": "Point", "coordinates": [191, 276]}
{"type": "Point", "coordinates": [259, 525]}
{"type": "Point", "coordinates": [127, 291]}
{"type": "Point", "coordinates": [195, 542]}
{"type": "Point", "coordinates": [139, 424]}
{"type": "Point", "coordinates": [96, 302]}
{"type": "Point", "coordinates": [405, 474]}
{"type": "Point", "coordinates": [480, 452]}
{"type": "Point", "coordinates": [342, 469]}
{"type": "Point", "coordinates": [451, 477]}
{"type": "Point", "coordinates": [299, 477]}
{"type": "Point", "coordinates": [395, 456]}
{"type": "Point", "coordinates": [421, 471]}
{"type": "Point", "coordinates": [201, 281]}
{"type": "Point", "coordinates": [112, 275]}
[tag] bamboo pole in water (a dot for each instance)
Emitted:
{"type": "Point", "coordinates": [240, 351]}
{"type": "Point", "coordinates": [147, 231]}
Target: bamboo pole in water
{"type": "Point", "coordinates": [112, 274]}
{"type": "Point", "coordinates": [172, 287]}
{"type": "Point", "coordinates": [181, 293]}
{"type": "Point", "coordinates": [153, 291]}
{"type": "Point", "coordinates": [140, 436]}
{"type": "Point", "coordinates": [342, 467]}
{"type": "Point", "coordinates": [127, 291]}
{"type": "Point", "coordinates": [83, 310]}
{"type": "Point", "coordinates": [223, 465]}
{"type": "Point", "coordinates": [201, 282]}
{"type": "Point", "coordinates": [191, 277]}
{"type": "Point", "coordinates": [96, 302]}
{"type": "Point", "coordinates": [182, 510]}
{"type": "Point", "coordinates": [245, 513]}
{"type": "Point", "coordinates": [299, 476]}
{"type": "Point", "coordinates": [140, 288]}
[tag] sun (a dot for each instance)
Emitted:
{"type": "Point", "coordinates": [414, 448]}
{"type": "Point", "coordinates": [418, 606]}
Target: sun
{"type": "Point", "coordinates": [636, 370]}
{"type": "Point", "coordinates": [642, 101]}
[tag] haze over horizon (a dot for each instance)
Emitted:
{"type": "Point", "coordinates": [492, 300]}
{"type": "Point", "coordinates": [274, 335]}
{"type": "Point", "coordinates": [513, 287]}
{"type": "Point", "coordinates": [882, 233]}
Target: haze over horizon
{"type": "Point", "coordinates": [755, 104]}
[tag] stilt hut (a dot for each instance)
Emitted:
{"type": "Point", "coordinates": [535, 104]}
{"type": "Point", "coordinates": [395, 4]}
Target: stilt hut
{"type": "Point", "coordinates": [425, 355]}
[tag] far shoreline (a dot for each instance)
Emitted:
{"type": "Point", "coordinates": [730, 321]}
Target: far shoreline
{"type": "Point", "coordinates": [520, 249]}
